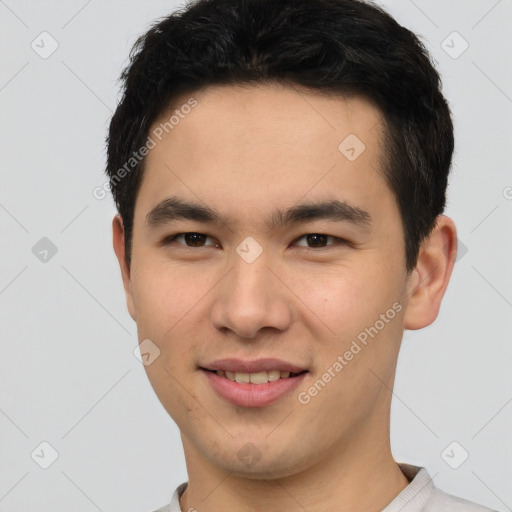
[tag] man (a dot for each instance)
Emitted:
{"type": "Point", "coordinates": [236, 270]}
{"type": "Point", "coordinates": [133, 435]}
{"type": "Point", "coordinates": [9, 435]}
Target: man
{"type": "Point", "coordinates": [280, 169]}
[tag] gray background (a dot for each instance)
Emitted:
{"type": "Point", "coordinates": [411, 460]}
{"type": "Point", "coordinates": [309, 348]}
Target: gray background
{"type": "Point", "coordinates": [68, 375]}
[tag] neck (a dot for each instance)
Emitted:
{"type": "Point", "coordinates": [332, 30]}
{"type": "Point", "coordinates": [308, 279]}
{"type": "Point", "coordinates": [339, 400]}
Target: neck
{"type": "Point", "coordinates": [360, 474]}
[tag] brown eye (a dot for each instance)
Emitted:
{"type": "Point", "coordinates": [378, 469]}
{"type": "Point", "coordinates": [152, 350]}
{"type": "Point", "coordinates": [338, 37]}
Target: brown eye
{"type": "Point", "coordinates": [190, 240]}
{"type": "Point", "coordinates": [319, 240]}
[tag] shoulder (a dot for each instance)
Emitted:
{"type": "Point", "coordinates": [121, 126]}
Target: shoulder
{"type": "Point", "coordinates": [421, 495]}
{"type": "Point", "coordinates": [440, 501]}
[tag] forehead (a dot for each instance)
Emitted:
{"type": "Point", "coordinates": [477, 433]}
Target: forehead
{"type": "Point", "coordinates": [265, 146]}
{"type": "Point", "coordinates": [262, 110]}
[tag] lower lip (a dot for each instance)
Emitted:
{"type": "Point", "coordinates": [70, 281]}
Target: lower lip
{"type": "Point", "coordinates": [252, 395]}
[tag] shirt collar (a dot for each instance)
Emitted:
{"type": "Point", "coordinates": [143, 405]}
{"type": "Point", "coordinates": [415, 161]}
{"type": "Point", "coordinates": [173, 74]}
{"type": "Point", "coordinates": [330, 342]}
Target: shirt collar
{"type": "Point", "coordinates": [416, 494]}
{"type": "Point", "coordinates": [412, 499]}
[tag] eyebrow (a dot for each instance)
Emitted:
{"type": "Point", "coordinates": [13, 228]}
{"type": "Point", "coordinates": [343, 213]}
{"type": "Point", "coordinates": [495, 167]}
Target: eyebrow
{"type": "Point", "coordinates": [174, 208]}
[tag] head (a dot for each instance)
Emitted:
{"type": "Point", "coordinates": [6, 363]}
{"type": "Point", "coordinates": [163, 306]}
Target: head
{"type": "Point", "coordinates": [313, 136]}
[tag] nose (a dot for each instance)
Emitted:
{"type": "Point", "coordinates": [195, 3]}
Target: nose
{"type": "Point", "coordinates": [250, 298]}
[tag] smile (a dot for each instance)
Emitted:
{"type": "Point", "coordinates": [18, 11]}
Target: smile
{"type": "Point", "coordinates": [256, 378]}
{"type": "Point", "coordinates": [253, 389]}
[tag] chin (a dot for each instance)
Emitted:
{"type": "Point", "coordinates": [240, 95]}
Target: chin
{"type": "Point", "coordinates": [266, 463]}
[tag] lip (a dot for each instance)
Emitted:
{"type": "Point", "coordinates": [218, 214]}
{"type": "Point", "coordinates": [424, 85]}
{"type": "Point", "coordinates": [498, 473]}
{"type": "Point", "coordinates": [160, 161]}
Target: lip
{"type": "Point", "coordinates": [259, 365]}
{"type": "Point", "coordinates": [252, 395]}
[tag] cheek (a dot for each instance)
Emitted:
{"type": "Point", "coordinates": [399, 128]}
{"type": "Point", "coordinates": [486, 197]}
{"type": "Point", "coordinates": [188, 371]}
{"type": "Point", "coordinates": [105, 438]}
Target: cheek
{"type": "Point", "coordinates": [361, 307]}
{"type": "Point", "coordinates": [340, 297]}
{"type": "Point", "coordinates": [165, 301]}
{"type": "Point", "coordinates": [162, 296]}
{"type": "Point", "coordinates": [169, 303]}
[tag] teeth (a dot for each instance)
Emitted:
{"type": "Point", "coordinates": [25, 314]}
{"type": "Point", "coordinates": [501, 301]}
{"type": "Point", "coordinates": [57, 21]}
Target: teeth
{"type": "Point", "coordinates": [254, 378]}
{"type": "Point", "coordinates": [273, 375]}
{"type": "Point", "coordinates": [242, 378]}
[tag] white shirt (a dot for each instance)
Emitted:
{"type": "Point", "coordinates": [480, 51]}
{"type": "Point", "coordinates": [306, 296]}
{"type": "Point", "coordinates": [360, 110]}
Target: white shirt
{"type": "Point", "coordinates": [420, 495]}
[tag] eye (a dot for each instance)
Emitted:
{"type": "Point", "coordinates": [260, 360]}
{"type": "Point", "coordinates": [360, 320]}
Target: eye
{"type": "Point", "coordinates": [191, 239]}
{"type": "Point", "coordinates": [319, 240]}
{"type": "Point", "coordinates": [197, 240]}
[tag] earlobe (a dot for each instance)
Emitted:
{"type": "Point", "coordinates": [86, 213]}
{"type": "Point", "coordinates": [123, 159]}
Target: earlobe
{"type": "Point", "coordinates": [119, 249]}
{"type": "Point", "coordinates": [429, 280]}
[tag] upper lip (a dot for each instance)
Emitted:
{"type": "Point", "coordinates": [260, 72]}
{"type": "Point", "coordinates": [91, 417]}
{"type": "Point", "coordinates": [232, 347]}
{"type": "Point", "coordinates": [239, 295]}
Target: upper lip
{"type": "Point", "coordinates": [258, 365]}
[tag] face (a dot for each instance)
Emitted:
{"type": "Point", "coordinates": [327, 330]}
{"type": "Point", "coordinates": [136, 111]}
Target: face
{"type": "Point", "coordinates": [321, 286]}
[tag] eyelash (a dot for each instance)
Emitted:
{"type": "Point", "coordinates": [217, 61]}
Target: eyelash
{"type": "Point", "coordinates": [338, 241]}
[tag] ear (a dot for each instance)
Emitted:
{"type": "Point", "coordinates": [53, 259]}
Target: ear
{"type": "Point", "coordinates": [429, 279]}
{"type": "Point", "coordinates": [119, 249]}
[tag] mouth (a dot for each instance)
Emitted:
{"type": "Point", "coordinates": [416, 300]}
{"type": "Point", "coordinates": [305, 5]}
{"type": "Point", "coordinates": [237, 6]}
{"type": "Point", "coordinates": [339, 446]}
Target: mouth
{"type": "Point", "coordinates": [253, 383]}
{"type": "Point", "coordinates": [258, 378]}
